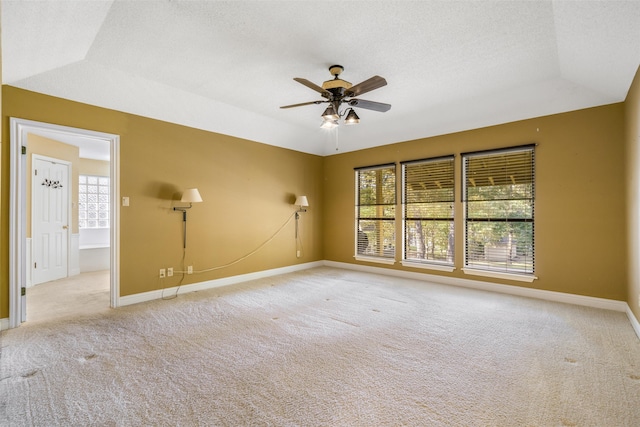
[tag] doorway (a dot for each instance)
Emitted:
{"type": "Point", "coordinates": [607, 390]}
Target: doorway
{"type": "Point", "coordinates": [19, 131]}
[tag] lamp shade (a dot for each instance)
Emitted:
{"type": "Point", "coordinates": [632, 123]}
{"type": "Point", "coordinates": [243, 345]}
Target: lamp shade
{"type": "Point", "coordinates": [352, 118]}
{"type": "Point", "coordinates": [329, 124]}
{"type": "Point", "coordinates": [302, 201]}
{"type": "Point", "coordinates": [191, 195]}
{"type": "Point", "coordinates": [330, 113]}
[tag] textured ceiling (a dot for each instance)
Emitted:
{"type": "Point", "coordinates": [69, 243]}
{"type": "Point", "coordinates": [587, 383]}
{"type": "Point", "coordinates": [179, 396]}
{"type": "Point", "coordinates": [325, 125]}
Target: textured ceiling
{"type": "Point", "coordinates": [228, 66]}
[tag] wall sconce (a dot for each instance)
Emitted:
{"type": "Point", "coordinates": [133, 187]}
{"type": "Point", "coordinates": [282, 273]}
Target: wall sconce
{"type": "Point", "coordinates": [191, 196]}
{"type": "Point", "coordinates": [302, 202]}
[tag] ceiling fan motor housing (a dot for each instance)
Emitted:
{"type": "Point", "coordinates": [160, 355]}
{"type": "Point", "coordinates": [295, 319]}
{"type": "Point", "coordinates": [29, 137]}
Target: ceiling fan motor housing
{"type": "Point", "coordinates": [336, 83]}
{"type": "Point", "coordinates": [335, 71]}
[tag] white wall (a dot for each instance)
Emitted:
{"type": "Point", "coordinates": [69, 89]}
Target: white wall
{"type": "Point", "coordinates": [94, 249]}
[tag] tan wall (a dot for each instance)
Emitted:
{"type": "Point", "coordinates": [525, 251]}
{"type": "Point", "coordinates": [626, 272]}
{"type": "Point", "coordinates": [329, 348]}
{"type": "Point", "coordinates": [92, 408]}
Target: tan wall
{"type": "Point", "coordinates": [37, 144]}
{"type": "Point", "coordinates": [93, 167]}
{"type": "Point", "coordinates": [3, 217]}
{"type": "Point", "coordinates": [632, 109]}
{"type": "Point", "coordinates": [580, 189]}
{"type": "Point", "coordinates": [248, 190]}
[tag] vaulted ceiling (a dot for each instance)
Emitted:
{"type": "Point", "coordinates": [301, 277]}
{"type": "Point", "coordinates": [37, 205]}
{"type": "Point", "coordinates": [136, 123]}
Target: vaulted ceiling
{"type": "Point", "coordinates": [227, 66]}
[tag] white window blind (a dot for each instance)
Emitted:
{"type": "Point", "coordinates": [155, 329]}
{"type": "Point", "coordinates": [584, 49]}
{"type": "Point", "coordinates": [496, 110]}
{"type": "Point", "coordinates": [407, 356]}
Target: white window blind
{"type": "Point", "coordinates": [376, 211]}
{"type": "Point", "coordinates": [428, 197]}
{"type": "Point", "coordinates": [499, 196]}
{"type": "Point", "coordinates": [93, 202]}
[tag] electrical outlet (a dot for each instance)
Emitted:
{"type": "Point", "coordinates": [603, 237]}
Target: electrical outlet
{"type": "Point", "coordinates": [162, 273]}
{"type": "Point", "coordinates": [170, 272]}
{"type": "Point", "coordinates": [298, 254]}
{"type": "Point", "coordinates": [190, 269]}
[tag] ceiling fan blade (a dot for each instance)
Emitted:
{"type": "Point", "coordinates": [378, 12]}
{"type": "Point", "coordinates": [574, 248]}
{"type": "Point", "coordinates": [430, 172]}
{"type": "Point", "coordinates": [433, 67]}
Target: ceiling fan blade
{"type": "Point", "coordinates": [366, 86]}
{"type": "Point", "coordinates": [369, 105]}
{"type": "Point", "coordinates": [304, 103]}
{"type": "Point", "coordinates": [313, 86]}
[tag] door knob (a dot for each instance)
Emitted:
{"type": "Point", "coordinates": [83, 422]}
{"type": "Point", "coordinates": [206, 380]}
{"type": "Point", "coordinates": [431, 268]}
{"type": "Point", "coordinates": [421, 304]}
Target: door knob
{"type": "Point", "coordinates": [64, 227]}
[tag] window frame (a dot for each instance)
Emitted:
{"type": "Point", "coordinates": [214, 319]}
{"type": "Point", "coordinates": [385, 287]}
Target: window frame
{"type": "Point", "coordinates": [524, 274]}
{"type": "Point", "coordinates": [383, 256]}
{"type": "Point", "coordinates": [441, 162]}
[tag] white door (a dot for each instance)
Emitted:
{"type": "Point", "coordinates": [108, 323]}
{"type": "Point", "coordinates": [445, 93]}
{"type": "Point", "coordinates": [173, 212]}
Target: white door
{"type": "Point", "coordinates": [50, 219]}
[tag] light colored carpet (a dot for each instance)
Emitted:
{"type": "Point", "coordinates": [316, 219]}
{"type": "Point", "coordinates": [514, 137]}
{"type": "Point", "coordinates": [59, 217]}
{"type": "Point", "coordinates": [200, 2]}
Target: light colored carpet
{"type": "Point", "coordinates": [326, 347]}
{"type": "Point", "coordinates": [82, 294]}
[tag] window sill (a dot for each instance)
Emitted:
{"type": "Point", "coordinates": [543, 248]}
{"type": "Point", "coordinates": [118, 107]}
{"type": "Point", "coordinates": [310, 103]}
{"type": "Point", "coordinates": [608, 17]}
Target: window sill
{"type": "Point", "coordinates": [98, 246]}
{"type": "Point", "coordinates": [499, 275]}
{"type": "Point", "coordinates": [428, 266]}
{"type": "Point", "coordinates": [388, 261]}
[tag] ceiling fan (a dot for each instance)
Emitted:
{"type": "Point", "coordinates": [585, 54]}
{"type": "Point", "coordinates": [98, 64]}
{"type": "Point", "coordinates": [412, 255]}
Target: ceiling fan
{"type": "Point", "coordinates": [337, 92]}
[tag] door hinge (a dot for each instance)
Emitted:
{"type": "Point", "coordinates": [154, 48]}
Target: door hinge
{"type": "Point", "coordinates": [24, 150]}
{"type": "Point", "coordinates": [23, 291]}
{"type": "Point", "coordinates": [35, 172]}
{"type": "Point", "coordinates": [35, 265]}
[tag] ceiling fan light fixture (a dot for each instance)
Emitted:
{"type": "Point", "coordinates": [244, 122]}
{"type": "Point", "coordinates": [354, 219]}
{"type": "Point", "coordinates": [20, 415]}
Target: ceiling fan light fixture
{"type": "Point", "coordinates": [330, 114]}
{"type": "Point", "coordinates": [337, 92]}
{"type": "Point", "coordinates": [329, 124]}
{"type": "Point", "coordinates": [352, 118]}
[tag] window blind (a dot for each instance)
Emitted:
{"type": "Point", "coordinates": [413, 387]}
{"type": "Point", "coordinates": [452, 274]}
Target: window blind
{"type": "Point", "coordinates": [428, 197]}
{"type": "Point", "coordinates": [375, 211]}
{"type": "Point", "coordinates": [499, 196]}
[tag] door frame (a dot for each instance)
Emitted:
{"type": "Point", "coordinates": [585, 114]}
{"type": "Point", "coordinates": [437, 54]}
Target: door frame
{"type": "Point", "coordinates": [69, 166]}
{"type": "Point", "coordinates": [19, 129]}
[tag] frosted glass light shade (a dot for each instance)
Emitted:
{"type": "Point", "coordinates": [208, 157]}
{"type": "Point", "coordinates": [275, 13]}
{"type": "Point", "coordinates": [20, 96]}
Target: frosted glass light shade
{"type": "Point", "coordinates": [191, 195]}
{"type": "Point", "coordinates": [302, 201]}
{"type": "Point", "coordinates": [329, 124]}
{"type": "Point", "coordinates": [330, 114]}
{"type": "Point", "coordinates": [352, 118]}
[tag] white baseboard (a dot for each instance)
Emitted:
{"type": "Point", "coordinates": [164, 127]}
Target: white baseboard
{"type": "Point", "coordinates": [210, 284]}
{"type": "Point", "coordinates": [634, 322]}
{"type": "Point", "coordinates": [603, 303]}
{"type": "Point", "coordinates": [4, 324]}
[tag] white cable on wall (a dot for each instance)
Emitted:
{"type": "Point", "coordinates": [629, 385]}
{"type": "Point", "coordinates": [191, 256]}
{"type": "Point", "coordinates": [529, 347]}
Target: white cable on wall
{"type": "Point", "coordinates": [242, 258]}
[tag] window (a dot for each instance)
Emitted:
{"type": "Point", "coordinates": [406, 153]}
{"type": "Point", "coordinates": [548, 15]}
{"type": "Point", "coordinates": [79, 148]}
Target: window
{"type": "Point", "coordinates": [427, 199]}
{"type": "Point", "coordinates": [93, 202]}
{"type": "Point", "coordinates": [376, 212]}
{"type": "Point", "coordinates": [499, 194]}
